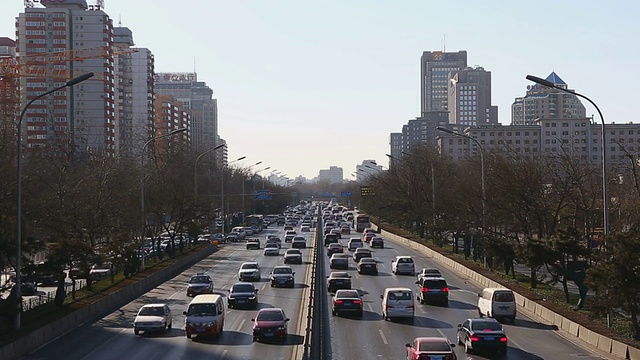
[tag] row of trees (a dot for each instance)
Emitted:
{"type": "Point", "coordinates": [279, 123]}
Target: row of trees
{"type": "Point", "coordinates": [85, 208]}
{"type": "Point", "coordinates": [542, 211]}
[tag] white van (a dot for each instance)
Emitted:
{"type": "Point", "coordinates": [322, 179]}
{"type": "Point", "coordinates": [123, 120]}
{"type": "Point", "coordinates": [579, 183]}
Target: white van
{"type": "Point", "coordinates": [205, 315]}
{"type": "Point", "coordinates": [241, 232]}
{"type": "Point", "coordinates": [397, 302]}
{"type": "Point", "coordinates": [497, 303]}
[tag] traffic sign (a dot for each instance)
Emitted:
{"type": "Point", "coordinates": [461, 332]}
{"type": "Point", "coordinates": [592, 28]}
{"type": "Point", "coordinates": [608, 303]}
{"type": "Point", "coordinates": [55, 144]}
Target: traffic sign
{"type": "Point", "coordinates": [346, 194]}
{"type": "Point", "coordinates": [263, 194]}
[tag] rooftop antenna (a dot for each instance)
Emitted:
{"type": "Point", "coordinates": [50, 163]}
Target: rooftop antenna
{"type": "Point", "coordinates": [120, 20]}
{"type": "Point", "coordinates": [194, 65]}
{"type": "Point", "coordinates": [444, 43]}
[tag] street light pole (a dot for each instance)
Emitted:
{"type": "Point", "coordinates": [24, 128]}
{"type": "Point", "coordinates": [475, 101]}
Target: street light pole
{"type": "Point", "coordinates": [243, 193]}
{"type": "Point", "coordinates": [18, 285]}
{"type": "Point", "coordinates": [253, 183]}
{"type": "Point", "coordinates": [484, 197]}
{"type": "Point", "coordinates": [224, 219]}
{"type": "Point", "coordinates": [605, 195]}
{"type": "Point", "coordinates": [195, 175]}
{"type": "Point", "coordinates": [142, 173]}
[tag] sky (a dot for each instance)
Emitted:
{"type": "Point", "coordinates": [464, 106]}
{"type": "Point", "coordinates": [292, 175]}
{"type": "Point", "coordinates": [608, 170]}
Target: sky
{"type": "Point", "coordinates": [305, 85]}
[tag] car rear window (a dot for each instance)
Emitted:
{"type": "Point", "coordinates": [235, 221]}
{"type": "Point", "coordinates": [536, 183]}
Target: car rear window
{"type": "Point", "coordinates": [439, 284]}
{"type": "Point", "coordinates": [434, 346]}
{"type": "Point", "coordinates": [405, 261]}
{"type": "Point", "coordinates": [485, 326]}
{"type": "Point", "coordinates": [241, 288]}
{"type": "Point", "coordinates": [503, 297]}
{"type": "Point", "coordinates": [400, 295]}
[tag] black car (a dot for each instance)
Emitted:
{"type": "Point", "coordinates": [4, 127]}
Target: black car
{"type": "Point", "coordinates": [338, 280]}
{"type": "Point", "coordinates": [253, 244]}
{"type": "Point", "coordinates": [347, 301]}
{"type": "Point", "coordinates": [330, 239]}
{"type": "Point", "coordinates": [335, 249]}
{"type": "Point", "coordinates": [361, 253]}
{"type": "Point", "coordinates": [482, 335]}
{"type": "Point", "coordinates": [339, 261]}
{"type": "Point", "coordinates": [243, 294]}
{"type": "Point", "coordinates": [367, 266]}
{"type": "Point", "coordinates": [282, 275]}
{"type": "Point", "coordinates": [377, 242]}
{"type": "Point", "coordinates": [433, 289]}
{"type": "Point", "coordinates": [200, 284]}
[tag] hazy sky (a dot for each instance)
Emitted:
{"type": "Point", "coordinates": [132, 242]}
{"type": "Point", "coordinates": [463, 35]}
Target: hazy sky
{"type": "Point", "coordinates": [304, 85]}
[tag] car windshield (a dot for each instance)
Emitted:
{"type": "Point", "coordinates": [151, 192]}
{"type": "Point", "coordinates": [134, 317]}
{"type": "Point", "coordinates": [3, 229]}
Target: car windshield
{"type": "Point", "coordinates": [503, 297]}
{"type": "Point", "coordinates": [242, 288]}
{"type": "Point", "coordinates": [399, 295]}
{"type": "Point", "coordinates": [405, 261]}
{"type": "Point", "coordinates": [434, 346]}
{"type": "Point", "coordinates": [249, 266]}
{"type": "Point", "coordinates": [270, 316]}
{"type": "Point", "coordinates": [152, 311]}
{"type": "Point", "coordinates": [485, 326]}
{"type": "Point", "coordinates": [202, 310]}
{"type": "Point", "coordinates": [282, 271]}
{"type": "Point", "coordinates": [199, 280]}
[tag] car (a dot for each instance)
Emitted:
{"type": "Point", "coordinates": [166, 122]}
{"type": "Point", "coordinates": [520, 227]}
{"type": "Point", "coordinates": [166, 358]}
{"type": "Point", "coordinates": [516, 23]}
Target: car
{"type": "Point", "coordinates": [288, 228]}
{"type": "Point", "coordinates": [299, 242]}
{"type": "Point", "coordinates": [354, 243]}
{"type": "Point", "coordinates": [289, 235]}
{"type": "Point", "coordinates": [327, 230]}
{"type": "Point", "coordinates": [368, 236]}
{"type": "Point", "coordinates": [482, 335]}
{"type": "Point", "coordinates": [231, 237]}
{"type": "Point", "coordinates": [271, 249]}
{"type": "Point", "coordinates": [403, 264]}
{"type": "Point", "coordinates": [377, 242]}
{"type": "Point", "coordinates": [361, 253]}
{"type": "Point", "coordinates": [28, 285]}
{"type": "Point", "coordinates": [199, 283]}
{"type": "Point", "coordinates": [305, 228]}
{"type": "Point", "coordinates": [397, 302]}
{"type": "Point", "coordinates": [430, 348]}
{"type": "Point", "coordinates": [249, 270]}
{"type": "Point", "coordinates": [367, 265]}
{"type": "Point", "coordinates": [100, 271]}
{"type": "Point", "coordinates": [345, 228]}
{"type": "Point", "coordinates": [339, 261]}
{"type": "Point", "coordinates": [248, 231]}
{"type": "Point", "coordinates": [274, 239]}
{"type": "Point", "coordinates": [270, 323]}
{"type": "Point", "coordinates": [293, 256]}
{"type": "Point", "coordinates": [282, 275]}
{"type": "Point", "coordinates": [243, 294]}
{"type": "Point", "coordinates": [429, 272]}
{"type": "Point", "coordinates": [253, 244]}
{"type": "Point", "coordinates": [330, 239]}
{"type": "Point", "coordinates": [240, 235]}
{"type": "Point", "coordinates": [347, 301]}
{"type": "Point", "coordinates": [337, 232]}
{"type": "Point", "coordinates": [153, 317]}
{"type": "Point", "coordinates": [335, 249]}
{"type": "Point", "coordinates": [432, 289]}
{"type": "Point", "coordinates": [338, 280]}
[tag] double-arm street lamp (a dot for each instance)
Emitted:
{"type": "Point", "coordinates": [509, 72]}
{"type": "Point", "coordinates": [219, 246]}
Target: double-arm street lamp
{"type": "Point", "coordinates": [253, 182]}
{"type": "Point", "coordinates": [142, 175]}
{"type": "Point", "coordinates": [195, 175]}
{"type": "Point", "coordinates": [243, 191]}
{"type": "Point", "coordinates": [224, 218]}
{"type": "Point", "coordinates": [484, 197]}
{"type": "Point", "coordinates": [605, 195]}
{"type": "Point", "coordinates": [18, 285]}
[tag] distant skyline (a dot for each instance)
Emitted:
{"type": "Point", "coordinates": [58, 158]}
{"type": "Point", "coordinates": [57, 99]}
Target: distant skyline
{"type": "Point", "coordinates": [304, 86]}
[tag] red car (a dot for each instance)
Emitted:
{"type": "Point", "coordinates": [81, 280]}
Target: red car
{"type": "Point", "coordinates": [430, 348]}
{"type": "Point", "coordinates": [270, 323]}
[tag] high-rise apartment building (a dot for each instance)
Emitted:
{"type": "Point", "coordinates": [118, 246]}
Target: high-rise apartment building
{"type": "Point", "coordinates": [61, 34]}
{"type": "Point", "coordinates": [9, 90]}
{"type": "Point", "coordinates": [134, 93]}
{"type": "Point", "coordinates": [366, 169]}
{"type": "Point", "coordinates": [434, 78]}
{"type": "Point", "coordinates": [333, 175]}
{"type": "Point", "coordinates": [170, 115]}
{"type": "Point", "coordinates": [470, 98]}
{"type": "Point", "coordinates": [542, 102]}
{"type": "Point", "coordinates": [419, 132]}
{"type": "Point", "coordinates": [198, 101]}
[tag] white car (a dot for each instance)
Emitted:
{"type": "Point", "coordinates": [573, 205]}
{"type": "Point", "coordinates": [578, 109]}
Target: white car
{"type": "Point", "coordinates": [153, 317]}
{"type": "Point", "coordinates": [271, 249]}
{"type": "Point", "coordinates": [355, 243]}
{"type": "Point", "coordinates": [249, 270]}
{"type": "Point", "coordinates": [403, 264]}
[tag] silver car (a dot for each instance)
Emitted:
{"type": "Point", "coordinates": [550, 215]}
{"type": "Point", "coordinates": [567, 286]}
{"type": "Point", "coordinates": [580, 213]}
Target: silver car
{"type": "Point", "coordinates": [153, 317]}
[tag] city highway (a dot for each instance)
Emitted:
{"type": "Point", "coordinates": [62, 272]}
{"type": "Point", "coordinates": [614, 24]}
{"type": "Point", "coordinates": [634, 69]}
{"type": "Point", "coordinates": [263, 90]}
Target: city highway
{"type": "Point", "coordinates": [373, 338]}
{"type": "Point", "coordinates": [112, 336]}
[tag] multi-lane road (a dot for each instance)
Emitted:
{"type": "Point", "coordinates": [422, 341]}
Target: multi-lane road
{"type": "Point", "coordinates": [369, 337]}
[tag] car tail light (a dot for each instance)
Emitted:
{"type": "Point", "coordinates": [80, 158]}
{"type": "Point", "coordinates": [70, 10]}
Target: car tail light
{"type": "Point", "coordinates": [339, 301]}
{"type": "Point", "coordinates": [389, 306]}
{"type": "Point", "coordinates": [357, 302]}
{"type": "Point", "coordinates": [474, 338]}
{"type": "Point", "coordinates": [503, 339]}
{"type": "Point", "coordinates": [424, 289]}
{"type": "Point", "coordinates": [446, 289]}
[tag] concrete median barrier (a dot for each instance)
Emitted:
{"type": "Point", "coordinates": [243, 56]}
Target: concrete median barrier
{"type": "Point", "coordinates": [634, 353]}
{"type": "Point", "coordinates": [619, 349]}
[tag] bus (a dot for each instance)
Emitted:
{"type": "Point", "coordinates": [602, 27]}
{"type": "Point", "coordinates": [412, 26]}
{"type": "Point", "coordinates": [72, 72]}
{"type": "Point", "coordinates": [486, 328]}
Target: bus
{"type": "Point", "coordinates": [361, 222]}
{"type": "Point", "coordinates": [257, 220]}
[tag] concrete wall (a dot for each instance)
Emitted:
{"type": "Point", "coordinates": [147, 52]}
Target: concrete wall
{"type": "Point", "coordinates": [106, 305]}
{"type": "Point", "coordinates": [570, 329]}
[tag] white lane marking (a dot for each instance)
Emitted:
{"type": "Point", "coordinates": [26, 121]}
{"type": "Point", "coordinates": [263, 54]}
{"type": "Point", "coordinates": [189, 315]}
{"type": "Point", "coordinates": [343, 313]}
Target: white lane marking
{"type": "Point", "coordinates": [384, 339]}
{"type": "Point", "coordinates": [224, 353]}
{"type": "Point", "coordinates": [263, 286]}
{"type": "Point", "coordinates": [90, 355]}
{"type": "Point", "coordinates": [370, 307]}
{"type": "Point", "coordinates": [241, 324]}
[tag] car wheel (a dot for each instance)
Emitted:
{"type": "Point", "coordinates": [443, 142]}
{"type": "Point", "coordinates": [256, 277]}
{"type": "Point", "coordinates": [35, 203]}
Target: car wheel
{"type": "Point", "coordinates": [136, 331]}
{"type": "Point", "coordinates": [188, 335]}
